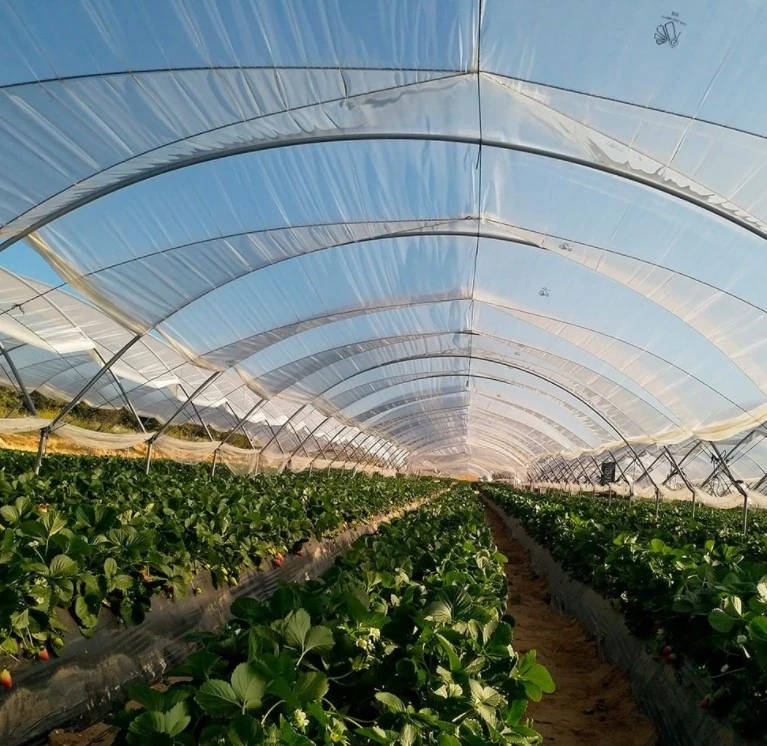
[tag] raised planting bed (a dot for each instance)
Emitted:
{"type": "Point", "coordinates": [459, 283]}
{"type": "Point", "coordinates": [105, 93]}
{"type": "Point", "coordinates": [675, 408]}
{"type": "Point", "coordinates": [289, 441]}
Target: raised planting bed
{"type": "Point", "coordinates": [671, 692]}
{"type": "Point", "coordinates": [81, 683]}
{"type": "Point", "coordinates": [405, 640]}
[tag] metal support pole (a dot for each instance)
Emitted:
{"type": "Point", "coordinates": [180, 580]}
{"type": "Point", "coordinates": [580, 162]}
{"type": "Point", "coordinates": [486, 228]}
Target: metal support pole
{"type": "Point", "coordinates": [41, 447]}
{"type": "Point", "coordinates": [759, 484]}
{"type": "Point", "coordinates": [196, 392]}
{"type": "Point", "coordinates": [88, 386]}
{"type": "Point", "coordinates": [738, 486]}
{"type": "Point", "coordinates": [240, 422]}
{"type": "Point", "coordinates": [356, 450]}
{"type": "Point", "coordinates": [197, 413]}
{"type": "Point", "coordinates": [307, 438]}
{"type": "Point", "coordinates": [123, 393]}
{"type": "Point", "coordinates": [683, 460]}
{"type": "Point", "coordinates": [344, 449]}
{"type": "Point", "coordinates": [365, 458]}
{"type": "Point", "coordinates": [328, 443]}
{"type": "Point", "coordinates": [24, 393]}
{"type": "Point", "coordinates": [380, 451]}
{"type": "Point", "coordinates": [283, 426]}
{"type": "Point", "coordinates": [679, 471]}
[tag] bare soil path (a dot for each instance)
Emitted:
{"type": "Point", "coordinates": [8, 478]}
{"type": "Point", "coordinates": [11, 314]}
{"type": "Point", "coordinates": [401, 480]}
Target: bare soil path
{"type": "Point", "coordinates": [593, 704]}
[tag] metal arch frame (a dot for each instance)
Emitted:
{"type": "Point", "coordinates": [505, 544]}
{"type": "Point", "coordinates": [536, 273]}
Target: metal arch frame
{"type": "Point", "coordinates": [421, 231]}
{"type": "Point", "coordinates": [466, 375]}
{"type": "Point", "coordinates": [518, 438]}
{"type": "Point", "coordinates": [515, 311]}
{"type": "Point", "coordinates": [469, 333]}
{"type": "Point", "coordinates": [421, 228]}
{"type": "Point", "coordinates": [431, 442]}
{"type": "Point", "coordinates": [239, 149]}
{"type": "Point", "coordinates": [478, 234]}
{"type": "Point", "coordinates": [563, 431]}
{"type": "Point", "coordinates": [425, 233]}
{"type": "Point", "coordinates": [427, 357]}
{"type": "Point", "coordinates": [556, 385]}
{"type": "Point", "coordinates": [150, 443]}
{"type": "Point", "coordinates": [15, 373]}
{"type": "Point", "coordinates": [493, 447]}
{"type": "Point", "coordinates": [485, 440]}
{"type": "Point", "coordinates": [415, 376]}
{"type": "Point", "coordinates": [122, 391]}
{"type": "Point", "coordinates": [328, 443]}
{"type": "Point", "coordinates": [529, 443]}
{"type": "Point", "coordinates": [350, 444]}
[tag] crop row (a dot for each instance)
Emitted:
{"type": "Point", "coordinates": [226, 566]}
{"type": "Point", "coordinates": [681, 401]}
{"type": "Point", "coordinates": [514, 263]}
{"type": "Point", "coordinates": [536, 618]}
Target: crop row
{"type": "Point", "coordinates": [404, 640]}
{"type": "Point", "coordinates": [95, 532]}
{"type": "Point", "coordinates": [691, 586]}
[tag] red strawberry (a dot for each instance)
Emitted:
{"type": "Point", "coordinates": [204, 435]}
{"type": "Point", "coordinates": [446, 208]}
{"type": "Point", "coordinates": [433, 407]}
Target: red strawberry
{"type": "Point", "coordinates": [279, 560]}
{"type": "Point", "coordinates": [672, 659]}
{"type": "Point", "coordinates": [43, 654]}
{"type": "Point", "coordinates": [5, 678]}
{"type": "Point", "coordinates": [667, 650]}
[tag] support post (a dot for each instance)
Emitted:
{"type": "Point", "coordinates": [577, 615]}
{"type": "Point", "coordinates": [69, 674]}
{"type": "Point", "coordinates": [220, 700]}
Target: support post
{"type": "Point", "coordinates": [240, 423]}
{"type": "Point", "coordinates": [88, 386]}
{"type": "Point", "coordinates": [14, 371]}
{"type": "Point", "coordinates": [736, 483]}
{"type": "Point", "coordinates": [328, 444]}
{"type": "Point", "coordinates": [683, 476]}
{"type": "Point", "coordinates": [41, 448]}
{"type": "Point", "coordinates": [123, 393]}
{"type": "Point", "coordinates": [169, 421]}
{"type": "Point", "coordinates": [344, 449]}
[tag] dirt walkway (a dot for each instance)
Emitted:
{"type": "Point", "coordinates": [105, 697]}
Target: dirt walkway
{"type": "Point", "coordinates": [593, 704]}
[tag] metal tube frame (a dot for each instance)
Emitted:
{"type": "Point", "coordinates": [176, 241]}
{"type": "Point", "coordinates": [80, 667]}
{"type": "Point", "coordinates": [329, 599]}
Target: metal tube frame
{"type": "Point", "coordinates": [28, 403]}
{"type": "Point", "coordinates": [738, 486]}
{"type": "Point", "coordinates": [150, 443]}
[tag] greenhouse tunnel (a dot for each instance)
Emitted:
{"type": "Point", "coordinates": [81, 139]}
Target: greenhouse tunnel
{"type": "Point", "coordinates": [426, 237]}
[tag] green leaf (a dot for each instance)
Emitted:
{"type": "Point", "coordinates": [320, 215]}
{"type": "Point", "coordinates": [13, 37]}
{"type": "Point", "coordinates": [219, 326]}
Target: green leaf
{"type": "Point", "coordinates": [311, 686]}
{"type": "Point", "coordinates": [110, 567]}
{"type": "Point", "coordinates": [245, 731]}
{"type": "Point", "coordinates": [408, 735]}
{"type": "Point", "coordinates": [200, 665]}
{"type": "Point", "coordinates": [62, 566]}
{"type": "Point", "coordinates": [445, 739]}
{"type": "Point", "coordinates": [720, 621]}
{"type": "Point", "coordinates": [540, 676]}
{"type": "Point", "coordinates": [300, 634]}
{"type": "Point", "coordinates": [391, 701]}
{"type": "Point", "coordinates": [87, 610]}
{"type": "Point", "coordinates": [452, 656]}
{"type": "Point", "coordinates": [319, 639]}
{"type": "Point", "coordinates": [297, 627]}
{"type": "Point", "coordinates": [218, 698]}
{"type": "Point", "coordinates": [150, 725]}
{"type": "Point", "coordinates": [757, 630]}
{"type": "Point", "coordinates": [248, 686]}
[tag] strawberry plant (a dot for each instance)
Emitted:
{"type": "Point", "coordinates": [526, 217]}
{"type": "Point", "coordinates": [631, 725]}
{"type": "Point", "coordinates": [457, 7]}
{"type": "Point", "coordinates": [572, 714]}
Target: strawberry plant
{"type": "Point", "coordinates": [405, 640]}
{"type": "Point", "coordinates": [91, 533]}
{"type": "Point", "coordinates": [696, 589]}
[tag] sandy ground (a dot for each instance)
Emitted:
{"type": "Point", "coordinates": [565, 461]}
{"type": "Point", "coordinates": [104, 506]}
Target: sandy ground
{"type": "Point", "coordinates": [593, 704]}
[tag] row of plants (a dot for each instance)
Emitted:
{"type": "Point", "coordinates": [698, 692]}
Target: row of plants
{"type": "Point", "coordinates": [405, 640]}
{"type": "Point", "coordinates": [90, 533]}
{"type": "Point", "coordinates": [695, 588]}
